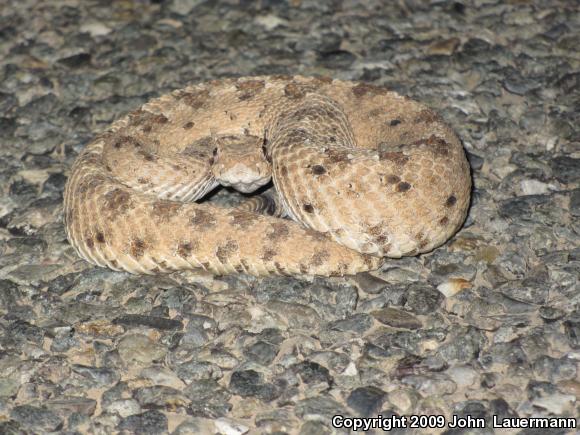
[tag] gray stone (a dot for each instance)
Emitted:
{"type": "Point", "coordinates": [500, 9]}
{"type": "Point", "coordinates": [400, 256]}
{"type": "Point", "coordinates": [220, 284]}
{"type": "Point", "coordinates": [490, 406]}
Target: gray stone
{"type": "Point", "coordinates": [369, 283]}
{"type": "Point", "coordinates": [73, 405]}
{"type": "Point", "coordinates": [262, 352]}
{"type": "Point", "coordinates": [397, 318]}
{"type": "Point", "coordinates": [149, 321]}
{"type": "Point", "coordinates": [249, 383]}
{"type": "Point", "coordinates": [35, 418]}
{"type": "Point", "coordinates": [423, 299]}
{"type": "Point", "coordinates": [554, 369]}
{"type": "Point", "coordinates": [195, 370]}
{"type": "Point", "coordinates": [358, 323]}
{"type": "Point", "coordinates": [101, 376]}
{"type": "Point", "coordinates": [551, 314]}
{"type": "Point", "coordinates": [63, 339]}
{"type": "Point", "coordinates": [149, 422]}
{"type": "Point", "coordinates": [9, 294]}
{"type": "Point", "coordinates": [312, 373]}
{"type": "Point", "coordinates": [462, 345]}
{"type": "Point", "coordinates": [194, 336]}
{"type": "Point", "coordinates": [475, 161]}
{"type": "Point", "coordinates": [516, 84]}
{"type": "Point", "coordinates": [566, 169]}
{"type": "Point", "coordinates": [366, 401]}
{"type": "Point", "coordinates": [208, 398]}
{"type": "Point", "coordinates": [297, 315]}
{"type": "Point", "coordinates": [23, 331]}
{"type": "Point", "coordinates": [572, 326]}
{"type": "Point", "coordinates": [575, 203]}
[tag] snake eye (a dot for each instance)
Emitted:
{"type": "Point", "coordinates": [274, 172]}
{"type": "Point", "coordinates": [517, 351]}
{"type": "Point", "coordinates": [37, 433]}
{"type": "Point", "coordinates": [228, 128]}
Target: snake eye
{"type": "Point", "coordinates": [214, 154]}
{"type": "Point", "coordinates": [265, 149]}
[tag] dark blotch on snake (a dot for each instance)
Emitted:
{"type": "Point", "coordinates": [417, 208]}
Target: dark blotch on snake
{"type": "Point", "coordinates": [318, 170]}
{"type": "Point", "coordinates": [138, 248]}
{"type": "Point", "coordinates": [403, 186]}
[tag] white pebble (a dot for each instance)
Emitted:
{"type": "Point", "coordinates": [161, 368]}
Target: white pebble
{"type": "Point", "coordinates": [535, 187]}
{"type": "Point", "coordinates": [229, 427]}
{"type": "Point", "coordinates": [95, 29]}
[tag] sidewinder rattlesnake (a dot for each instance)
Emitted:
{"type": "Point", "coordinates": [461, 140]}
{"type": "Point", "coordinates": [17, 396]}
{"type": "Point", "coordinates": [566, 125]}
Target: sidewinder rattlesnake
{"type": "Point", "coordinates": [364, 172]}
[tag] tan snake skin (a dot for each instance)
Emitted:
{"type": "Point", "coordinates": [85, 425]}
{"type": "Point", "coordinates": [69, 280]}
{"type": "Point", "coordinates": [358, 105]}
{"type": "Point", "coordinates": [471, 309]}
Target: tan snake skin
{"type": "Point", "coordinates": [364, 172]}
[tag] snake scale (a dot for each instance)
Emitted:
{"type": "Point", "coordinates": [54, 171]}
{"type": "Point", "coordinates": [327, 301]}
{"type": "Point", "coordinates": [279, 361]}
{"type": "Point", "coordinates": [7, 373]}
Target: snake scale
{"type": "Point", "coordinates": [363, 174]}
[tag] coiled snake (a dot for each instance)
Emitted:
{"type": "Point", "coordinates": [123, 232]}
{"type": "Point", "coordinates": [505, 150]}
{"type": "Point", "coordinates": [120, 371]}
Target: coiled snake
{"type": "Point", "coordinates": [363, 173]}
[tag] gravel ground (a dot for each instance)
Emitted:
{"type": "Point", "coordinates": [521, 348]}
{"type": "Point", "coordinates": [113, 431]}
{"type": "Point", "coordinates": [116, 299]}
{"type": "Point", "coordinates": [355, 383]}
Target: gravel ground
{"type": "Point", "coordinates": [488, 325]}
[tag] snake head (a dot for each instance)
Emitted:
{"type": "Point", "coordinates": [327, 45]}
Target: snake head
{"type": "Point", "coordinates": [239, 162]}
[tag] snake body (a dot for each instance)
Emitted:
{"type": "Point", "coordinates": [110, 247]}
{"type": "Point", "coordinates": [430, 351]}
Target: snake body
{"type": "Point", "coordinates": [362, 172]}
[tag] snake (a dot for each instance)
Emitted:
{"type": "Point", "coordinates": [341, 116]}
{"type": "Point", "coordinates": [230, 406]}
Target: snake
{"type": "Point", "coordinates": [360, 174]}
